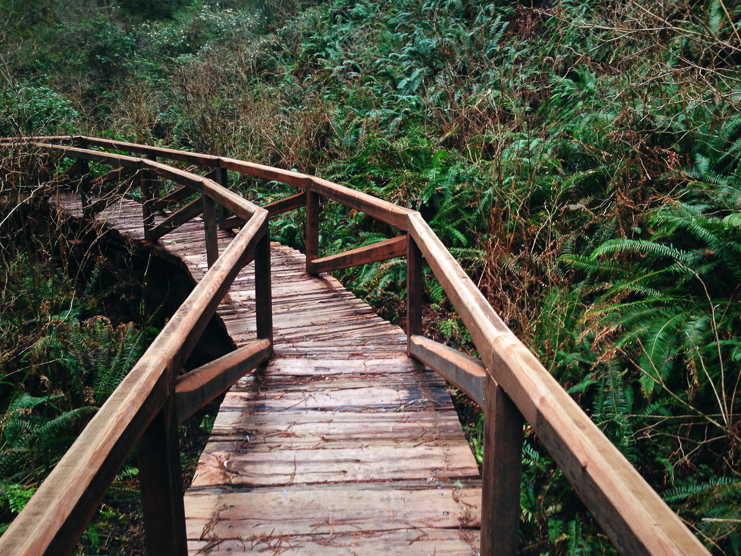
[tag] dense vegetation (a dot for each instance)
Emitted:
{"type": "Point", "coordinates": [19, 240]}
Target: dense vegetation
{"type": "Point", "coordinates": [580, 158]}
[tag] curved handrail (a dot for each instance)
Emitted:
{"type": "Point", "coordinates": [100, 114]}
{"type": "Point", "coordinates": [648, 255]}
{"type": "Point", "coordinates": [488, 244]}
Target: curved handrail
{"type": "Point", "coordinates": [632, 514]}
{"type": "Point", "coordinates": [56, 516]}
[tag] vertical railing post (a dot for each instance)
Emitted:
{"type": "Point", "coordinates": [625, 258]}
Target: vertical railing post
{"type": "Point", "coordinates": [161, 482]}
{"type": "Point", "coordinates": [145, 185]}
{"type": "Point", "coordinates": [312, 228]}
{"type": "Point", "coordinates": [263, 291]}
{"type": "Point", "coordinates": [85, 182]}
{"type": "Point", "coordinates": [222, 178]}
{"type": "Point", "coordinates": [502, 473]}
{"type": "Point", "coordinates": [209, 224]}
{"type": "Point", "coordinates": [415, 287]}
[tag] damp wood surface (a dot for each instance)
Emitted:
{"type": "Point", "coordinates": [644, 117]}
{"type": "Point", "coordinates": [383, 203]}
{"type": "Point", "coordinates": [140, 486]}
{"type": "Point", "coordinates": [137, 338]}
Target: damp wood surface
{"type": "Point", "coordinates": [340, 444]}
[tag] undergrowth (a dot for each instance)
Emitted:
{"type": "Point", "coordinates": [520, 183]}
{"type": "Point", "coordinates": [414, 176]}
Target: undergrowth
{"type": "Point", "coordinates": [580, 159]}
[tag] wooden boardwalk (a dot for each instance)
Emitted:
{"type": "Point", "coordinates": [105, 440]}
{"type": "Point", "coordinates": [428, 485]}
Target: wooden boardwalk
{"type": "Point", "coordinates": [340, 444]}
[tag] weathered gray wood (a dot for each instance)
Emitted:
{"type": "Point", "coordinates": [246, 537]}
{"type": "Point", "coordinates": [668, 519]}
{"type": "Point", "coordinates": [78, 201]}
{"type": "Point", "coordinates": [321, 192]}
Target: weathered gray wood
{"type": "Point", "coordinates": [372, 508]}
{"type": "Point", "coordinates": [422, 541]}
{"type": "Point", "coordinates": [388, 249]}
{"type": "Point", "coordinates": [198, 387]}
{"type": "Point", "coordinates": [465, 372]}
{"type": "Point", "coordinates": [161, 481]}
{"type": "Point", "coordinates": [502, 470]}
{"type": "Point", "coordinates": [312, 228]}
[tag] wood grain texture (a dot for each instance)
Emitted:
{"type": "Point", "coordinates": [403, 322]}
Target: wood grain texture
{"type": "Point", "coordinates": [337, 435]}
{"type": "Point", "coordinates": [351, 413]}
{"type": "Point", "coordinates": [312, 228]}
{"type": "Point", "coordinates": [502, 470]}
{"type": "Point", "coordinates": [198, 387]}
{"type": "Point", "coordinates": [634, 516]}
{"type": "Point", "coordinates": [161, 482]}
{"type": "Point", "coordinates": [175, 220]}
{"type": "Point", "coordinates": [61, 508]}
{"type": "Point", "coordinates": [466, 373]}
{"type": "Point", "coordinates": [380, 251]}
{"type": "Point", "coordinates": [284, 205]}
{"type": "Point", "coordinates": [209, 229]}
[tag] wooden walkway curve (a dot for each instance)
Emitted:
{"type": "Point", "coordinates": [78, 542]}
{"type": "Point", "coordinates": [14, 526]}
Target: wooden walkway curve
{"type": "Point", "coordinates": [341, 444]}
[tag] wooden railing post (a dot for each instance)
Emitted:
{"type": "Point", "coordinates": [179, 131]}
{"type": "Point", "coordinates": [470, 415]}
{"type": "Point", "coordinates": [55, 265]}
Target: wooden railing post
{"type": "Point", "coordinates": [147, 201]}
{"type": "Point", "coordinates": [312, 228]}
{"type": "Point", "coordinates": [85, 183]}
{"type": "Point", "coordinates": [502, 472]}
{"type": "Point", "coordinates": [209, 226]}
{"type": "Point", "coordinates": [161, 482]}
{"type": "Point", "coordinates": [415, 287]}
{"type": "Point", "coordinates": [263, 291]}
{"type": "Point", "coordinates": [222, 178]}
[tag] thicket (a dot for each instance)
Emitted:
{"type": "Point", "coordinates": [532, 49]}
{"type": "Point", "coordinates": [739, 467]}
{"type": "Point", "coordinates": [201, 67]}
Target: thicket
{"type": "Point", "coordinates": [580, 158]}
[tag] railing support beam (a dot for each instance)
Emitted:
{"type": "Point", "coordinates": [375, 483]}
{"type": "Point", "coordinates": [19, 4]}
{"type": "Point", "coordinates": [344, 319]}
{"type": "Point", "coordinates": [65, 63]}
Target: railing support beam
{"type": "Point", "coordinates": [312, 228]}
{"type": "Point", "coordinates": [209, 227]}
{"type": "Point", "coordinates": [263, 291]}
{"type": "Point", "coordinates": [415, 288]}
{"type": "Point", "coordinates": [502, 473]}
{"type": "Point", "coordinates": [222, 178]}
{"type": "Point", "coordinates": [161, 483]}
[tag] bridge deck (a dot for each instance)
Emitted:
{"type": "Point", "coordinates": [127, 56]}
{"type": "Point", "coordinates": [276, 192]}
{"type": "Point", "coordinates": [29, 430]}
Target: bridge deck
{"type": "Point", "coordinates": [340, 444]}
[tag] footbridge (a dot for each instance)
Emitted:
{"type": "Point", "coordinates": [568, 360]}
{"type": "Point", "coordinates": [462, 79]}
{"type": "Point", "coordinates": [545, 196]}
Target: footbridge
{"type": "Point", "coordinates": [337, 434]}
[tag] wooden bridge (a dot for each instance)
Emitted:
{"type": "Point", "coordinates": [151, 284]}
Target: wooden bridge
{"type": "Point", "coordinates": [342, 439]}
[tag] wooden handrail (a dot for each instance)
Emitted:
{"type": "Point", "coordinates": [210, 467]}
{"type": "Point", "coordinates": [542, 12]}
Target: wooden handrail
{"type": "Point", "coordinates": [632, 514]}
{"type": "Point", "coordinates": [56, 516]}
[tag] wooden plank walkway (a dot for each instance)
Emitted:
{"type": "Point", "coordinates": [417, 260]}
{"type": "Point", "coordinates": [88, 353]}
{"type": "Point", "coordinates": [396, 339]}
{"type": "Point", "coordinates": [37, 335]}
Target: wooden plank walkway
{"type": "Point", "coordinates": [340, 444]}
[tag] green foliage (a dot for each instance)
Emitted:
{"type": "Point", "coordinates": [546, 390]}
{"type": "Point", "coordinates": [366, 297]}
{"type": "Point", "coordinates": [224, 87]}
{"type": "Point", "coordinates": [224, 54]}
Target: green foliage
{"type": "Point", "coordinates": [27, 109]}
{"type": "Point", "coordinates": [580, 159]}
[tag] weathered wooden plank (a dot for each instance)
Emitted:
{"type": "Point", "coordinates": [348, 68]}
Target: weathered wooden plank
{"type": "Point", "coordinates": [375, 252]}
{"type": "Point", "coordinates": [635, 518]}
{"type": "Point", "coordinates": [198, 387]}
{"type": "Point", "coordinates": [265, 431]}
{"type": "Point", "coordinates": [467, 373]}
{"type": "Point", "coordinates": [266, 172]}
{"type": "Point", "coordinates": [376, 463]}
{"type": "Point", "coordinates": [336, 399]}
{"type": "Point", "coordinates": [56, 516]}
{"type": "Point", "coordinates": [405, 542]}
{"type": "Point", "coordinates": [116, 175]}
{"type": "Point", "coordinates": [170, 154]}
{"type": "Point", "coordinates": [353, 508]}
